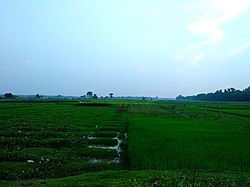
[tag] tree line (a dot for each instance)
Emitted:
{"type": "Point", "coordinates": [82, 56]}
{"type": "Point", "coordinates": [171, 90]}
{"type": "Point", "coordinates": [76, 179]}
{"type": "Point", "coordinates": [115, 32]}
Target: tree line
{"type": "Point", "coordinates": [230, 94]}
{"type": "Point", "coordinates": [89, 95]}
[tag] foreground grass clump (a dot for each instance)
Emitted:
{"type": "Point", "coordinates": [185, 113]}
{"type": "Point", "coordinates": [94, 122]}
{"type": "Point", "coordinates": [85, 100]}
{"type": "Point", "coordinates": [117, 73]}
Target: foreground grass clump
{"type": "Point", "coordinates": [143, 178]}
{"type": "Point", "coordinates": [51, 140]}
{"type": "Point", "coordinates": [187, 138]}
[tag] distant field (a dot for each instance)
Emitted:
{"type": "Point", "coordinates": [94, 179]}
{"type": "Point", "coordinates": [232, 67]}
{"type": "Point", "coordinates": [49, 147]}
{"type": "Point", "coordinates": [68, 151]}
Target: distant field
{"type": "Point", "coordinates": [171, 143]}
{"type": "Point", "coordinates": [237, 108]}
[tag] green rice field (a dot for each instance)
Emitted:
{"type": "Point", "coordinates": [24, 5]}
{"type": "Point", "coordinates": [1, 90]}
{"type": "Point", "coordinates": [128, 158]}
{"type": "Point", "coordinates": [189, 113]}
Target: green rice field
{"type": "Point", "coordinates": [188, 138]}
{"type": "Point", "coordinates": [124, 143]}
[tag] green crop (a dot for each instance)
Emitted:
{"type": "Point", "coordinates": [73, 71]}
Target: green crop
{"type": "Point", "coordinates": [187, 137]}
{"type": "Point", "coordinates": [124, 143]}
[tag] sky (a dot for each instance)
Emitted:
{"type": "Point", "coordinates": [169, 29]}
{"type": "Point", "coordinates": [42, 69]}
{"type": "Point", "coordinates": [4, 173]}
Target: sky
{"type": "Point", "coordinates": [127, 47]}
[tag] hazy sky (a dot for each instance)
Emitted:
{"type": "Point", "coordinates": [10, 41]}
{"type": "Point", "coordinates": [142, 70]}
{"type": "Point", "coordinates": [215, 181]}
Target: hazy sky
{"type": "Point", "coordinates": [128, 47]}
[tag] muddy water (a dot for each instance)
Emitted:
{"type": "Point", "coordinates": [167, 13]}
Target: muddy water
{"type": "Point", "coordinates": [117, 148]}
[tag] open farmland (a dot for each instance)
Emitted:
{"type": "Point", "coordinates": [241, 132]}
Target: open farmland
{"type": "Point", "coordinates": [125, 143]}
{"type": "Point", "coordinates": [51, 140]}
{"type": "Point", "coordinates": [187, 137]}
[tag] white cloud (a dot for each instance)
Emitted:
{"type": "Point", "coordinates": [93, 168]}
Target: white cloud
{"type": "Point", "coordinates": [230, 8]}
{"type": "Point", "coordinates": [238, 49]}
{"type": "Point", "coordinates": [213, 14]}
{"type": "Point", "coordinates": [217, 12]}
{"type": "Point", "coordinates": [191, 59]}
{"type": "Point", "coordinates": [196, 59]}
{"type": "Point", "coordinates": [209, 28]}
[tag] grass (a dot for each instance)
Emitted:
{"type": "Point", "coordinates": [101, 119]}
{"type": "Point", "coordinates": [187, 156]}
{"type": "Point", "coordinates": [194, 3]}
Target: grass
{"type": "Point", "coordinates": [193, 140]}
{"type": "Point", "coordinates": [61, 142]}
{"type": "Point", "coordinates": [142, 178]}
{"type": "Point", "coordinates": [50, 140]}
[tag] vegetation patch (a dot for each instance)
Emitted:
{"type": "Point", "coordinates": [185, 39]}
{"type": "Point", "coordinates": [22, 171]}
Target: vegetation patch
{"type": "Point", "coordinates": [188, 143]}
{"type": "Point", "coordinates": [94, 104]}
{"type": "Point", "coordinates": [50, 140]}
{"type": "Point", "coordinates": [128, 144]}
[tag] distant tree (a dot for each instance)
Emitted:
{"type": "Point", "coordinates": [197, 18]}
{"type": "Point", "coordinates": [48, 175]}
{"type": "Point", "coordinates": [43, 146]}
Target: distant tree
{"type": "Point", "coordinates": [143, 98]}
{"type": "Point", "coordinates": [95, 96]}
{"type": "Point", "coordinates": [111, 95]}
{"type": "Point", "coordinates": [247, 89]}
{"type": "Point", "coordinates": [230, 94]}
{"type": "Point", "coordinates": [201, 96]}
{"type": "Point", "coordinates": [9, 95]}
{"type": "Point", "coordinates": [232, 89]}
{"type": "Point", "coordinates": [180, 97]}
{"type": "Point", "coordinates": [83, 96]}
{"type": "Point", "coordinates": [38, 96]}
{"type": "Point", "coordinates": [89, 94]}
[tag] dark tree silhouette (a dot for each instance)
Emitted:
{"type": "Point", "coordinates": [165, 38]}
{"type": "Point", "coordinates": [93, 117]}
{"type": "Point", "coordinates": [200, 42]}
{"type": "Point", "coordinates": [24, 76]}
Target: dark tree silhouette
{"type": "Point", "coordinates": [230, 94]}
{"type": "Point", "coordinates": [95, 96]}
{"type": "Point", "coordinates": [111, 95]}
{"type": "Point", "coordinates": [9, 95]}
{"type": "Point", "coordinates": [89, 94]}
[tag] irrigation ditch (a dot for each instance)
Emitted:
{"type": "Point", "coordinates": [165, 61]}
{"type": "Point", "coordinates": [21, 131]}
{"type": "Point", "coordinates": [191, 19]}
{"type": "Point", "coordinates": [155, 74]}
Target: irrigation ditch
{"type": "Point", "coordinates": [110, 139]}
